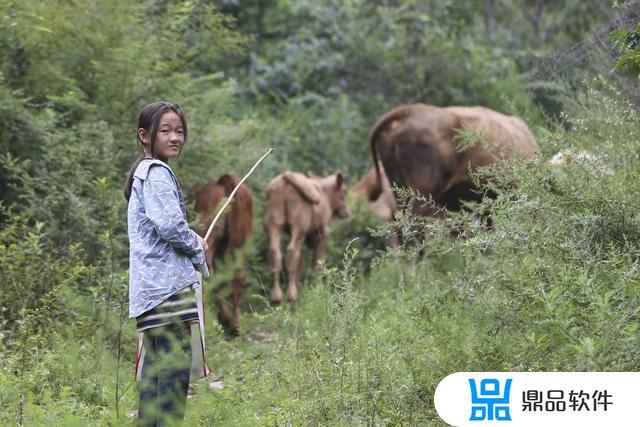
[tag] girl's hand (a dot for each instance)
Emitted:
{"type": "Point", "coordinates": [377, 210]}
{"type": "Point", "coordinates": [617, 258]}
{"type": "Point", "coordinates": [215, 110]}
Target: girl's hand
{"type": "Point", "coordinates": [203, 242]}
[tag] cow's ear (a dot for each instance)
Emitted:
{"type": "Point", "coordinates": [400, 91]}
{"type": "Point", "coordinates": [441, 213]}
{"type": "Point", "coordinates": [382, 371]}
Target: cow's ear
{"type": "Point", "coordinates": [339, 179]}
{"type": "Point", "coordinates": [228, 183]}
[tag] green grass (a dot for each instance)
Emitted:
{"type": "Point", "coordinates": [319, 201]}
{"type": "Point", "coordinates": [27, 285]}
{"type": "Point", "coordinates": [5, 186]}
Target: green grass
{"type": "Point", "coordinates": [553, 286]}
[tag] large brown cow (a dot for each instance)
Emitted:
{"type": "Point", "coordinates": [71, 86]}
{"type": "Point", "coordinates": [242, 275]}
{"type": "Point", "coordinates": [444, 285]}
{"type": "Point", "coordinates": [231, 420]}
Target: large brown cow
{"type": "Point", "coordinates": [421, 148]}
{"type": "Point", "coordinates": [230, 233]}
{"type": "Point", "coordinates": [303, 207]}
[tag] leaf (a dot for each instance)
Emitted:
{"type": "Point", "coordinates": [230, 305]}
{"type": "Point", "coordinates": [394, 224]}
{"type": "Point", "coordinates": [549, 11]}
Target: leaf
{"type": "Point", "coordinates": [45, 29]}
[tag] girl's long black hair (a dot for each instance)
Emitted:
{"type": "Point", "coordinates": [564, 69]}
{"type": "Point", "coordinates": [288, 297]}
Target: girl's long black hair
{"type": "Point", "coordinates": [149, 120]}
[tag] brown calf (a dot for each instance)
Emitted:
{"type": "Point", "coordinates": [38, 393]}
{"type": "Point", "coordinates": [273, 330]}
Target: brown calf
{"type": "Point", "coordinates": [229, 234]}
{"type": "Point", "coordinates": [384, 206]}
{"type": "Point", "coordinates": [303, 207]}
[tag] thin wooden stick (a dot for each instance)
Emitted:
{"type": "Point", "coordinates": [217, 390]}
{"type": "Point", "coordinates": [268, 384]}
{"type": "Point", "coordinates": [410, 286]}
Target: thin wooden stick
{"type": "Point", "coordinates": [213, 223]}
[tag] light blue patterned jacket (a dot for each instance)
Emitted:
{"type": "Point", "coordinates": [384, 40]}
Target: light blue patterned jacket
{"type": "Point", "coordinates": [164, 253]}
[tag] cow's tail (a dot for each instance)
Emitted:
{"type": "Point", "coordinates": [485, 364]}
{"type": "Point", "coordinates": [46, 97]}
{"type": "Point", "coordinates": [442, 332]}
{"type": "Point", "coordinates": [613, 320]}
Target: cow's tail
{"type": "Point", "coordinates": [374, 136]}
{"type": "Point", "coordinates": [304, 186]}
{"type": "Point", "coordinates": [239, 219]}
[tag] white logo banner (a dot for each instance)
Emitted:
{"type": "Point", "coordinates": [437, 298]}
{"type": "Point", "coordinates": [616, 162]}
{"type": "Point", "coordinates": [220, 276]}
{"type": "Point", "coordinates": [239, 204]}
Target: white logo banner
{"type": "Point", "coordinates": [505, 399]}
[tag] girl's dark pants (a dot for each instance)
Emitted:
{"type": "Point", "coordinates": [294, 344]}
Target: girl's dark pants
{"type": "Point", "coordinates": [165, 374]}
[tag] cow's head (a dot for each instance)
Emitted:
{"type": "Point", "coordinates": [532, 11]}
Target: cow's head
{"type": "Point", "coordinates": [228, 183]}
{"type": "Point", "coordinates": [338, 197]}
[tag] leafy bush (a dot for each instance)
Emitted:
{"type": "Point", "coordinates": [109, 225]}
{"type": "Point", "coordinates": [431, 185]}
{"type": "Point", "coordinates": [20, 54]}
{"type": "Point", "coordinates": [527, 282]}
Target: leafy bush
{"type": "Point", "coordinates": [630, 55]}
{"type": "Point", "coordinates": [552, 286]}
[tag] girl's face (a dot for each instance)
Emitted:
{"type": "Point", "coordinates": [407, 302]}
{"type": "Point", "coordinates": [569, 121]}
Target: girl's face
{"type": "Point", "coordinates": [169, 137]}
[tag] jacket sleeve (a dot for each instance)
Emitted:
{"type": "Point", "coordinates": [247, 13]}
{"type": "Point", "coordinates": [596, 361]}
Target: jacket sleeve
{"type": "Point", "coordinates": [162, 207]}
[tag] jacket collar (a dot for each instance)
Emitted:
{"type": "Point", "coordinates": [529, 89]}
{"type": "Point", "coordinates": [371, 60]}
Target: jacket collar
{"type": "Point", "coordinates": [143, 168]}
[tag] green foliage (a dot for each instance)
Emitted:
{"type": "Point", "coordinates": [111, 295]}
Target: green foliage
{"type": "Point", "coordinates": [554, 286]}
{"type": "Point", "coordinates": [20, 134]}
{"type": "Point", "coordinates": [31, 275]}
{"type": "Point", "coordinates": [380, 55]}
{"type": "Point", "coordinates": [629, 41]}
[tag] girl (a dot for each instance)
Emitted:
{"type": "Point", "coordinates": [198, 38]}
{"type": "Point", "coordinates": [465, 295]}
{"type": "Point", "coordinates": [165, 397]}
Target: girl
{"type": "Point", "coordinates": [164, 256]}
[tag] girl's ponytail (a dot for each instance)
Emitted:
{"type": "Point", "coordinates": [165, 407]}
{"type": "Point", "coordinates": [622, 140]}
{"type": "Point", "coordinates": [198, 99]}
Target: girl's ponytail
{"type": "Point", "coordinates": [129, 181]}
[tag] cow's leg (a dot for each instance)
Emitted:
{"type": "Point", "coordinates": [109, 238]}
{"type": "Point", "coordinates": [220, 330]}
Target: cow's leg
{"type": "Point", "coordinates": [276, 264]}
{"type": "Point", "coordinates": [299, 269]}
{"type": "Point", "coordinates": [237, 289]}
{"type": "Point", "coordinates": [320, 245]}
{"type": "Point", "coordinates": [224, 315]}
{"type": "Point", "coordinates": [294, 252]}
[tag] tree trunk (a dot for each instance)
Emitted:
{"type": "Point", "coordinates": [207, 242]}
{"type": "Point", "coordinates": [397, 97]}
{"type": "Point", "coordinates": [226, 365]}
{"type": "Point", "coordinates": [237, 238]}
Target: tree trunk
{"type": "Point", "coordinates": [489, 18]}
{"type": "Point", "coordinates": [537, 15]}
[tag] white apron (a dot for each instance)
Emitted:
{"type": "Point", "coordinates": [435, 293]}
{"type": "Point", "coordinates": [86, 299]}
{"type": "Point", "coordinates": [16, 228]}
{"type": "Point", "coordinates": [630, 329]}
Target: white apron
{"type": "Point", "coordinates": [199, 367]}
